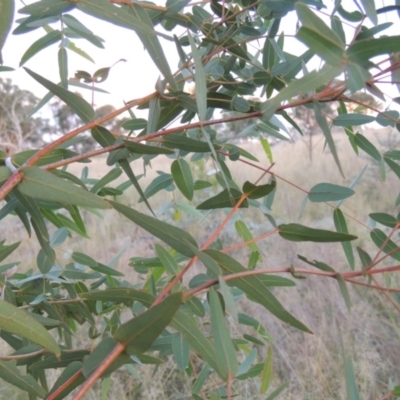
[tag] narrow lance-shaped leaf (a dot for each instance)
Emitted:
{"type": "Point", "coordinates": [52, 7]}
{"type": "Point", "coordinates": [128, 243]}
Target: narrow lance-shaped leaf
{"type": "Point", "coordinates": [266, 372]}
{"type": "Point", "coordinates": [47, 40]}
{"type": "Point", "coordinates": [328, 192]}
{"type": "Point", "coordinates": [344, 291]}
{"type": "Point", "coordinates": [5, 250]}
{"type": "Point", "coordinates": [364, 144]}
{"type": "Point", "coordinates": [132, 177]}
{"type": "Point", "coordinates": [47, 8]}
{"type": "Point", "coordinates": [258, 191]}
{"type": "Point", "coordinates": [19, 322]}
{"type": "Point", "coordinates": [63, 66]}
{"type": "Point", "coordinates": [341, 226]}
{"type": "Point", "coordinates": [80, 106]}
{"type": "Point", "coordinates": [73, 368]}
{"type": "Point", "coordinates": [227, 198]}
{"type": "Point", "coordinates": [181, 350]}
{"type": "Point", "coordinates": [200, 79]}
{"type": "Point", "coordinates": [225, 351]}
{"type": "Point", "coordinates": [301, 233]}
{"type": "Point", "coordinates": [6, 20]}
{"type": "Point", "coordinates": [379, 238]}
{"type": "Point", "coordinates": [169, 234]}
{"type": "Point", "coordinates": [306, 84]}
{"type": "Point", "coordinates": [182, 175]}
{"type": "Point", "coordinates": [321, 120]}
{"type": "Point", "coordinates": [139, 333]}
{"type": "Point", "coordinates": [11, 374]}
{"type": "Point", "coordinates": [41, 184]}
{"type": "Point", "coordinates": [167, 260]}
{"type": "Point", "coordinates": [254, 288]}
{"type": "Point", "coordinates": [318, 36]}
{"type": "Point", "coordinates": [244, 232]}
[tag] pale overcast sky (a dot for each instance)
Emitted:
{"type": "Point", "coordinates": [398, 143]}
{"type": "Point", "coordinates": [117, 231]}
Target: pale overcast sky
{"type": "Point", "coordinates": [132, 79]}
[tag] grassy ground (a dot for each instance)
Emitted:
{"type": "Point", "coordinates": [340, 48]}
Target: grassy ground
{"type": "Point", "coordinates": [312, 365]}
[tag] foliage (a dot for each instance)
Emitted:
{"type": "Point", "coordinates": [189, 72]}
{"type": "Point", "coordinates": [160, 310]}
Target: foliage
{"type": "Point", "coordinates": [240, 58]}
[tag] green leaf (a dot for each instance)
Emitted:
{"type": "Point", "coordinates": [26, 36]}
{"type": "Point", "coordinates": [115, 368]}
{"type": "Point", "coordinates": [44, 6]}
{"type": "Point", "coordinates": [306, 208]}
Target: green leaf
{"type": "Point", "coordinates": [382, 218]}
{"type": "Point", "coordinates": [132, 177]}
{"type": "Point", "coordinates": [301, 233]}
{"type": "Point", "coordinates": [150, 41]}
{"type": "Point", "coordinates": [384, 120]}
{"type": "Point", "coordinates": [182, 175]}
{"type": "Point", "coordinates": [187, 144]}
{"type": "Point", "coordinates": [84, 259]}
{"type": "Point", "coordinates": [135, 124]}
{"type": "Point", "coordinates": [304, 85]}
{"type": "Point", "coordinates": [351, 383]}
{"type": "Point", "coordinates": [140, 332]}
{"type": "Point", "coordinates": [317, 264]}
{"type": "Point", "coordinates": [328, 192]}
{"type": "Point", "coordinates": [200, 79]}
{"type": "Point", "coordinates": [258, 191]}
{"type": "Point", "coordinates": [47, 40]}
{"type": "Point", "coordinates": [344, 291]}
{"type": "Point", "coordinates": [44, 185]}
{"type": "Point", "coordinates": [46, 255]}
{"type": "Point", "coordinates": [318, 36]}
{"type": "Point", "coordinates": [391, 248]}
{"type": "Point", "coordinates": [80, 106]}
{"type": "Point", "coordinates": [173, 236]}
{"type": "Point", "coordinates": [6, 20]}
{"type": "Point", "coordinates": [267, 149]}
{"type": "Point", "coordinates": [82, 31]}
{"type": "Point", "coordinates": [362, 51]}
{"type": "Point", "coordinates": [167, 260]}
{"type": "Point", "coordinates": [337, 27]}
{"type": "Point", "coordinates": [321, 120]}
{"type": "Point", "coordinates": [201, 378]}
{"type": "Point", "coordinates": [71, 369]}
{"type": "Point", "coordinates": [240, 104]}
{"type": "Point", "coordinates": [266, 374]}
{"type": "Point", "coordinates": [110, 176]}
{"type": "Point", "coordinates": [364, 144]}
{"type": "Point", "coordinates": [269, 55]}
{"type": "Point", "coordinates": [118, 295]}
{"type": "Point", "coordinates": [63, 66]}
{"type": "Point", "coordinates": [208, 261]}
{"type": "Point", "coordinates": [254, 287]}
{"type": "Point", "coordinates": [352, 119]}
{"type": "Point", "coordinates": [100, 353]}
{"type": "Point", "coordinates": [185, 324]}
{"type": "Point", "coordinates": [5, 250]}
{"type": "Point", "coordinates": [180, 349]}
{"type": "Point", "coordinates": [393, 166]}
{"type": "Point", "coordinates": [341, 226]}
{"type": "Point", "coordinates": [370, 10]}
{"type": "Point", "coordinates": [245, 234]}
{"type": "Point", "coordinates": [277, 392]}
{"type": "Point", "coordinates": [227, 198]}
{"type": "Point", "coordinates": [47, 8]}
{"type": "Point", "coordinates": [225, 351]}
{"type": "Point", "coordinates": [11, 374]}
{"type": "Point", "coordinates": [19, 322]}
{"type": "Point", "coordinates": [162, 181]}
{"type": "Point", "coordinates": [229, 300]}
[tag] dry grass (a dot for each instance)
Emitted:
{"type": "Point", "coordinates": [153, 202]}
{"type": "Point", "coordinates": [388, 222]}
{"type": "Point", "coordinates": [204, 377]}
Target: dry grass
{"type": "Point", "coordinates": [311, 364]}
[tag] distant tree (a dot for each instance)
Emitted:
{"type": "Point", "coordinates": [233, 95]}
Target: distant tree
{"type": "Point", "coordinates": [18, 129]}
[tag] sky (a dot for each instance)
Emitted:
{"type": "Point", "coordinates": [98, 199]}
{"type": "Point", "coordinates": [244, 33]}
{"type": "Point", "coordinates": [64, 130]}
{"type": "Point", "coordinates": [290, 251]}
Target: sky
{"type": "Point", "coordinates": [122, 83]}
{"type": "Point", "coordinates": [127, 80]}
